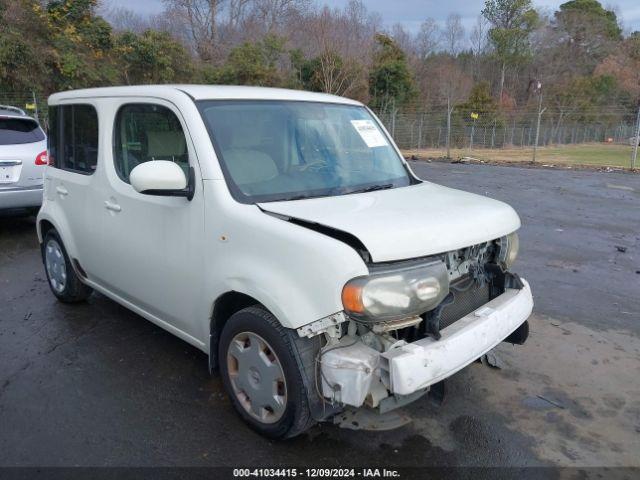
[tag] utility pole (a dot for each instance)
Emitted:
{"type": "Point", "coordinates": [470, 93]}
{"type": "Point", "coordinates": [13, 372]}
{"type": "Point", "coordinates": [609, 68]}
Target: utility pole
{"type": "Point", "coordinates": [393, 118]}
{"type": "Point", "coordinates": [540, 112]}
{"type": "Point", "coordinates": [35, 103]}
{"type": "Point", "coordinates": [635, 141]}
{"type": "Point", "coordinates": [448, 126]}
{"type": "Point", "coordinates": [474, 116]}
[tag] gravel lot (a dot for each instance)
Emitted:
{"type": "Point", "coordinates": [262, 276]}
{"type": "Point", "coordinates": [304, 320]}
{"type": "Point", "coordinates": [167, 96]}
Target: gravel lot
{"type": "Point", "coordinates": [95, 384]}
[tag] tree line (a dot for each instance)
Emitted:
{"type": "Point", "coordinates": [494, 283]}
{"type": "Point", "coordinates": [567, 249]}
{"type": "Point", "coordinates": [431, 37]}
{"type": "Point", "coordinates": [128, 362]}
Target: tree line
{"type": "Point", "coordinates": [576, 61]}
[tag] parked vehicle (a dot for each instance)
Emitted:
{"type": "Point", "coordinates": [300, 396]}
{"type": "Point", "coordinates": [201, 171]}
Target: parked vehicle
{"type": "Point", "coordinates": [282, 233]}
{"type": "Point", "coordinates": [23, 155]}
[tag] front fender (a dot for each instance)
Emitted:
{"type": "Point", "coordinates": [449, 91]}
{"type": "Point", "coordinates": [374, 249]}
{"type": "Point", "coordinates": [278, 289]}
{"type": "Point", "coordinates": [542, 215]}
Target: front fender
{"type": "Point", "coordinates": [295, 272]}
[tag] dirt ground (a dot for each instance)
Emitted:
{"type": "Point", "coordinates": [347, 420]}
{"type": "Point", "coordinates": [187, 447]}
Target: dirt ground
{"type": "Point", "coordinates": [96, 385]}
{"type": "Point", "coordinates": [587, 155]}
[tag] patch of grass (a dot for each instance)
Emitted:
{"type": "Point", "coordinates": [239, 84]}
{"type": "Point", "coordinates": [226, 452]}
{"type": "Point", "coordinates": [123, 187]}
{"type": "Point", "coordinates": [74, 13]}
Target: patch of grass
{"type": "Point", "coordinates": [591, 154]}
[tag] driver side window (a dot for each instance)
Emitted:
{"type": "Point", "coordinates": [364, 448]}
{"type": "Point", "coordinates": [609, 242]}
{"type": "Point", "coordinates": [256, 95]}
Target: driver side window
{"type": "Point", "coordinates": [145, 132]}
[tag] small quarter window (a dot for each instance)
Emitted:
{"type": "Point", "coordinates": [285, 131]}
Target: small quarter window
{"type": "Point", "coordinates": [73, 138]}
{"type": "Point", "coordinates": [145, 132]}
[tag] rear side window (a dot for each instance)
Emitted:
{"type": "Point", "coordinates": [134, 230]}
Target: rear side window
{"type": "Point", "coordinates": [73, 138]}
{"type": "Point", "coordinates": [15, 131]}
{"type": "Point", "coordinates": [144, 132]}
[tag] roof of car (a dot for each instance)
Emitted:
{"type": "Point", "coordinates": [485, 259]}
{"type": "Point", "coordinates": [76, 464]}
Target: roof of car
{"type": "Point", "coordinates": [6, 114]}
{"type": "Point", "coordinates": [204, 92]}
{"type": "Point", "coordinates": [11, 111]}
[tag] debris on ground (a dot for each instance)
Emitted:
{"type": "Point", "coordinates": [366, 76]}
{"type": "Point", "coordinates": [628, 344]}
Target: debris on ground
{"type": "Point", "coordinates": [492, 360]}
{"type": "Point", "coordinates": [462, 160]}
{"type": "Point", "coordinates": [370, 420]}
{"type": "Point", "coordinates": [541, 402]}
{"type": "Point", "coordinates": [552, 402]}
{"type": "Point", "coordinates": [620, 248]}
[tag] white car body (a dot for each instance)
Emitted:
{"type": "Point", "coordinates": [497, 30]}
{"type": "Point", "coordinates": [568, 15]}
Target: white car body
{"type": "Point", "coordinates": [21, 178]}
{"type": "Point", "coordinates": [171, 260]}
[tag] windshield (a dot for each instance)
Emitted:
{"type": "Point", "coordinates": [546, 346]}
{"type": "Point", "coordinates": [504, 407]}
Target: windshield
{"type": "Point", "coordinates": [14, 131]}
{"type": "Point", "coordinates": [284, 150]}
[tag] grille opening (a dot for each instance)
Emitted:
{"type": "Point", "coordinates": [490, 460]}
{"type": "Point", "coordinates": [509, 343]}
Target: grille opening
{"type": "Point", "coordinates": [464, 302]}
{"type": "Point", "coordinates": [467, 295]}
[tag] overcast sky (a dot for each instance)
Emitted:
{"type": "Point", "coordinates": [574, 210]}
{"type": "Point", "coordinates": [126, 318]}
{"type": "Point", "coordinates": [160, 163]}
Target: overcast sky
{"type": "Point", "coordinates": [410, 13]}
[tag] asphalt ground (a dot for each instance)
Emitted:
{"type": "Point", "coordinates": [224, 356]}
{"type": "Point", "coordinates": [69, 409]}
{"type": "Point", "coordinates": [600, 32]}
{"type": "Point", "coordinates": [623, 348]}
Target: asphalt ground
{"type": "Point", "coordinates": [96, 385]}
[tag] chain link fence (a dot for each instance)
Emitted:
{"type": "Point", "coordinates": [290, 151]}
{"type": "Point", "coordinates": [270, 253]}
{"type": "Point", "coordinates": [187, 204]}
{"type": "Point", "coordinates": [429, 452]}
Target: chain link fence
{"type": "Point", "coordinates": [466, 134]}
{"type": "Point", "coordinates": [33, 104]}
{"type": "Point", "coordinates": [429, 130]}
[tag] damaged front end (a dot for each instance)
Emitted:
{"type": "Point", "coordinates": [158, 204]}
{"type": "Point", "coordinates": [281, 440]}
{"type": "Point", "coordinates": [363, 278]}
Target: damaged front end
{"type": "Point", "coordinates": [409, 325]}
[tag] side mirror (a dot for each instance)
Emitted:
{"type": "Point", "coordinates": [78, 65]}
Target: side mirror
{"type": "Point", "coordinates": [164, 178]}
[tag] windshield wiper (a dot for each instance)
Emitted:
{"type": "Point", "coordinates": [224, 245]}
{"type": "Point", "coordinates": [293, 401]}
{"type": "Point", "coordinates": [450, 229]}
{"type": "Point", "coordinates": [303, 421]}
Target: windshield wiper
{"type": "Point", "coordinates": [372, 188]}
{"type": "Point", "coordinates": [297, 197]}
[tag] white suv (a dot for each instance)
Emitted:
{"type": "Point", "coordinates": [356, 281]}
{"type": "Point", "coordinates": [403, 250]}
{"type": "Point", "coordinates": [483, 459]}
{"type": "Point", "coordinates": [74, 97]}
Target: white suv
{"type": "Point", "coordinates": [23, 156]}
{"type": "Point", "coordinates": [282, 233]}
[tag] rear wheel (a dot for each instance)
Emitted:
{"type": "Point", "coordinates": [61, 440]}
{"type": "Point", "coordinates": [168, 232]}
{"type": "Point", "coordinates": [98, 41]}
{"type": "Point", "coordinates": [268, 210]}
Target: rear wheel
{"type": "Point", "coordinates": [63, 281]}
{"type": "Point", "coordinates": [261, 375]}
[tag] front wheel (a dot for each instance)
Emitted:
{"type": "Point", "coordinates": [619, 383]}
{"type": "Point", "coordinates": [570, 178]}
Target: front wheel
{"type": "Point", "coordinates": [261, 375]}
{"type": "Point", "coordinates": [64, 282]}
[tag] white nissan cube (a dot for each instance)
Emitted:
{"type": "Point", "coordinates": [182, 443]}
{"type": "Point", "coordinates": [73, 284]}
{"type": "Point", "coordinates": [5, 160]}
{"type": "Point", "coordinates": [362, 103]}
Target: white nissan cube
{"type": "Point", "coordinates": [282, 233]}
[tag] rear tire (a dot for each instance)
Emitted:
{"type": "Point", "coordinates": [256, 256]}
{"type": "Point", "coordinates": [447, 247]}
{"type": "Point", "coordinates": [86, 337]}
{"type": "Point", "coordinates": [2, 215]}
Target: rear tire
{"type": "Point", "coordinates": [61, 276]}
{"type": "Point", "coordinates": [261, 375]}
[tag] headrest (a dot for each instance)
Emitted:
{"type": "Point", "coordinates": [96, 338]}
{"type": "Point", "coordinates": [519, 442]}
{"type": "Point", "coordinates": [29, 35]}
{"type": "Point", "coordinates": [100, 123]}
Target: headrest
{"type": "Point", "coordinates": [166, 144]}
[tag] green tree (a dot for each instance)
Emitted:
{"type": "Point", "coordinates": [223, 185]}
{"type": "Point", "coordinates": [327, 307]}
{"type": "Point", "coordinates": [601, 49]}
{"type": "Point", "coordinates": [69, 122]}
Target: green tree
{"type": "Point", "coordinates": [391, 84]}
{"type": "Point", "coordinates": [82, 44]}
{"type": "Point", "coordinates": [512, 22]}
{"type": "Point", "coordinates": [481, 102]}
{"type": "Point", "coordinates": [593, 14]}
{"type": "Point", "coordinates": [253, 64]}
{"type": "Point", "coordinates": [587, 34]}
{"type": "Point", "coordinates": [24, 47]}
{"type": "Point", "coordinates": [152, 57]}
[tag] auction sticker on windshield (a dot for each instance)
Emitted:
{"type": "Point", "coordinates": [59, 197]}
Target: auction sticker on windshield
{"type": "Point", "coordinates": [369, 133]}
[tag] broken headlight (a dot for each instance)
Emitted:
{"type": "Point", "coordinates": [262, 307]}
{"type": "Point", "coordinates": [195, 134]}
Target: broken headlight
{"type": "Point", "coordinates": [508, 247]}
{"type": "Point", "coordinates": [396, 294]}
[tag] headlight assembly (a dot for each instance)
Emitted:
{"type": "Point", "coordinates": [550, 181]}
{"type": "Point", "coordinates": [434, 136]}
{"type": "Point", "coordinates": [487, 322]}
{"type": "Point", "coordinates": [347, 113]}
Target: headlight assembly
{"type": "Point", "coordinates": [508, 250]}
{"type": "Point", "coordinates": [397, 294]}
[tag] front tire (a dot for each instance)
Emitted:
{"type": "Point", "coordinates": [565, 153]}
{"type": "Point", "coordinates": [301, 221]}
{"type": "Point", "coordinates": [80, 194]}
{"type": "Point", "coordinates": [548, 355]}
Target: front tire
{"type": "Point", "coordinates": [261, 375]}
{"type": "Point", "coordinates": [61, 276]}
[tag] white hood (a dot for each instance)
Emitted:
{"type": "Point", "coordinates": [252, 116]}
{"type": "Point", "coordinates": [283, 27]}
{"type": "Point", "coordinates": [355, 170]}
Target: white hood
{"type": "Point", "coordinates": [408, 222]}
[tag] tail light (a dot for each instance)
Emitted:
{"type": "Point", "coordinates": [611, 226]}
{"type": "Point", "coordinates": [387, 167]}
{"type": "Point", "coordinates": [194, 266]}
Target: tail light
{"type": "Point", "coordinates": [42, 158]}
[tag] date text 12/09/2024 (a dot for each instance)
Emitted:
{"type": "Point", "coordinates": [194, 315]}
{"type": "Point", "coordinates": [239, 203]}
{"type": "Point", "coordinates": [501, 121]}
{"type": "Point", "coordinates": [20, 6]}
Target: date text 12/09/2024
{"type": "Point", "coordinates": [316, 472]}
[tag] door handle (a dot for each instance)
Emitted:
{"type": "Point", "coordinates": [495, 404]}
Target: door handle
{"type": "Point", "coordinates": [62, 191]}
{"type": "Point", "coordinates": [114, 207]}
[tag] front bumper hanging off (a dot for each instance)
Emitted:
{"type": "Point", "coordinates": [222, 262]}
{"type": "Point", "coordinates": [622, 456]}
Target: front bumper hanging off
{"type": "Point", "coordinates": [427, 361]}
{"type": "Point", "coordinates": [415, 366]}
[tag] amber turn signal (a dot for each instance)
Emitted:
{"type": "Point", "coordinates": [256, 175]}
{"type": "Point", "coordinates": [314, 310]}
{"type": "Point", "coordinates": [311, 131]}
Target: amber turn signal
{"type": "Point", "coordinates": [352, 298]}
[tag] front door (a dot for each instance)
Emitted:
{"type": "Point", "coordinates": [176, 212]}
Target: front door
{"type": "Point", "coordinates": [150, 250]}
